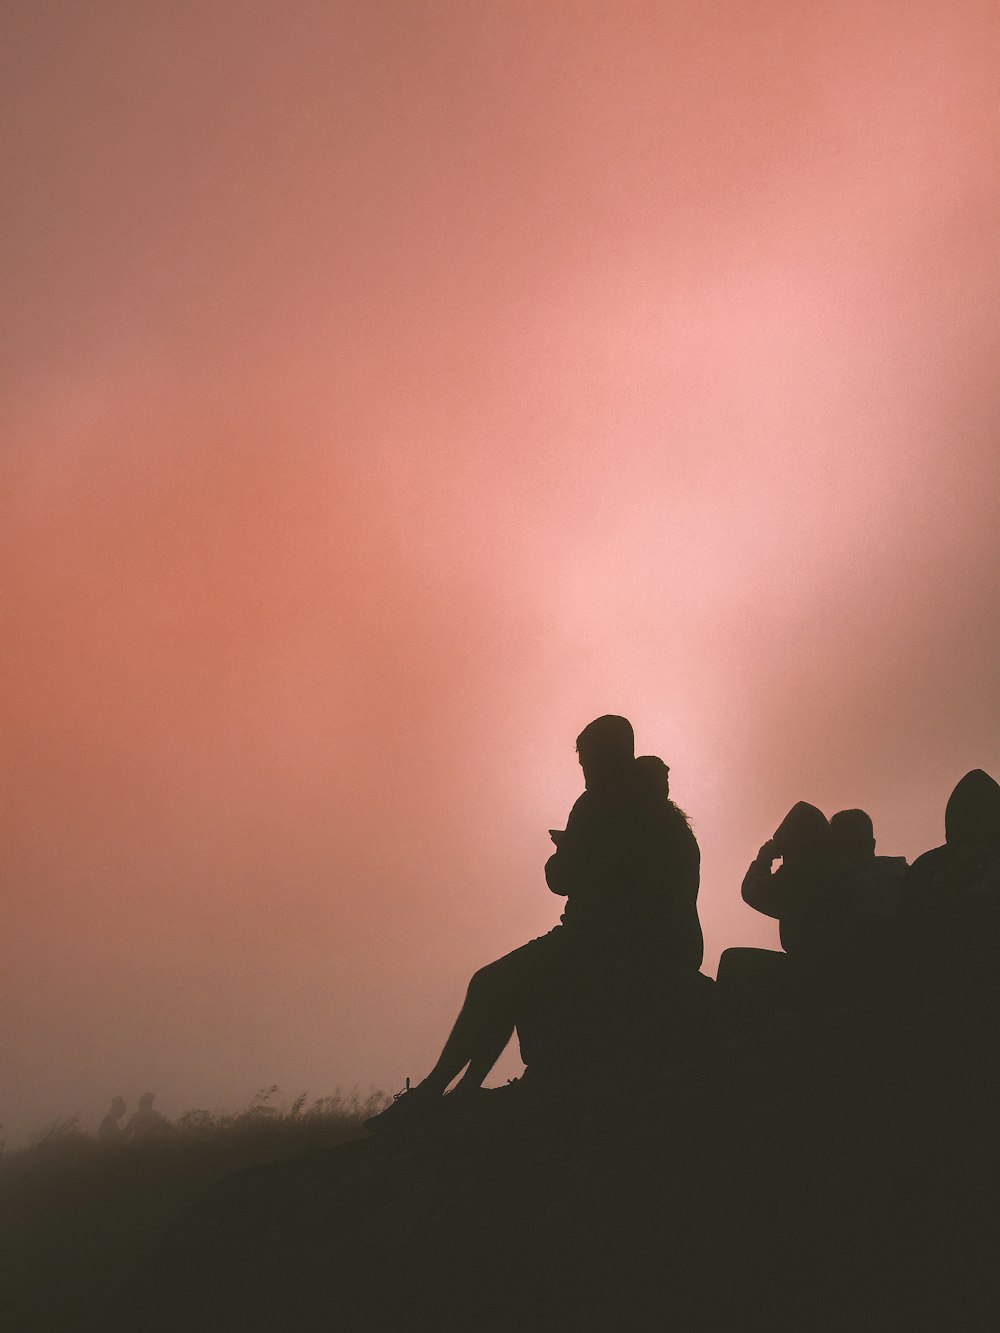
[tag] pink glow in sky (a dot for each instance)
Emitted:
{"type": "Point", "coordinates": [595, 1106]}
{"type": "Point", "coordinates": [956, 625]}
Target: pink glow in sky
{"type": "Point", "coordinates": [391, 388]}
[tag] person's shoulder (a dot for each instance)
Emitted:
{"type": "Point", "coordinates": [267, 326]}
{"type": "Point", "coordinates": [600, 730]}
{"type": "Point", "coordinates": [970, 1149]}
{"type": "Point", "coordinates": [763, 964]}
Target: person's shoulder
{"type": "Point", "coordinates": [917, 885]}
{"type": "Point", "coordinates": [583, 805]}
{"type": "Point", "coordinates": [892, 865]}
{"type": "Point", "coordinates": [930, 862]}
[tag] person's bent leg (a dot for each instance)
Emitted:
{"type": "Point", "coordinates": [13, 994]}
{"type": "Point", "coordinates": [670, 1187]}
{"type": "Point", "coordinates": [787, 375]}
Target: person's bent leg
{"type": "Point", "coordinates": [483, 1028]}
{"type": "Point", "coordinates": [480, 1033]}
{"type": "Point", "coordinates": [497, 994]}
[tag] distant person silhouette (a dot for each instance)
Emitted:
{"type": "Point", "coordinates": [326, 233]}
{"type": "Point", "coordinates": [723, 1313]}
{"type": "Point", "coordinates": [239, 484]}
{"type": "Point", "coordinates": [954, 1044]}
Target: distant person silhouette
{"type": "Point", "coordinates": [950, 910]}
{"type": "Point", "coordinates": [624, 850]}
{"type": "Point", "coordinates": [146, 1123]}
{"type": "Point", "coordinates": [110, 1130]}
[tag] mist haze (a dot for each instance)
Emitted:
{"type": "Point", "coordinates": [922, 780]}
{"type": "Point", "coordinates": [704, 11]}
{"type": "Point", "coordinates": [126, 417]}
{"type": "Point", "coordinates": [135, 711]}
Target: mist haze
{"type": "Point", "coordinates": [391, 389]}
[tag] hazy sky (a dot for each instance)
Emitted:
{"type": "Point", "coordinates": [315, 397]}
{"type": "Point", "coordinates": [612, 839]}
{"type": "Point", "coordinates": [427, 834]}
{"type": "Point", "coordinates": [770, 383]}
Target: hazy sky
{"type": "Point", "coordinates": [389, 389]}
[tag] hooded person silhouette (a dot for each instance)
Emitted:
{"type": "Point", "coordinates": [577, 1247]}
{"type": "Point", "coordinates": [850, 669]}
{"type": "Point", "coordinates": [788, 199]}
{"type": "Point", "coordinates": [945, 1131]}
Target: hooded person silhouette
{"type": "Point", "coordinates": [817, 910]}
{"type": "Point", "coordinates": [795, 894]}
{"type": "Point", "coordinates": [950, 909]}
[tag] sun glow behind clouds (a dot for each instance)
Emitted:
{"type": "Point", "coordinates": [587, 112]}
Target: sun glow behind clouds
{"type": "Point", "coordinates": [395, 389]}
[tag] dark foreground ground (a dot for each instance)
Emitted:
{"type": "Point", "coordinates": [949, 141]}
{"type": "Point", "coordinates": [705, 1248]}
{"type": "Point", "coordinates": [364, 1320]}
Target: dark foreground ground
{"type": "Point", "coordinates": [826, 1171]}
{"type": "Point", "coordinates": [77, 1217]}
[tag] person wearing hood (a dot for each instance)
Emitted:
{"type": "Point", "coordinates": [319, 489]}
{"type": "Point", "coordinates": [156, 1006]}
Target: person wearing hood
{"type": "Point", "coordinates": [951, 896]}
{"type": "Point", "coordinates": [798, 893]}
{"type": "Point", "coordinates": [811, 897]}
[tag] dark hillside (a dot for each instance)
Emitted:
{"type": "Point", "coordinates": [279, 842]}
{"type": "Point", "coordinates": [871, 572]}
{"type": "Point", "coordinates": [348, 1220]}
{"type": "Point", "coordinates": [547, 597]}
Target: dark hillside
{"type": "Point", "coordinates": [76, 1215]}
{"type": "Point", "coordinates": [825, 1171]}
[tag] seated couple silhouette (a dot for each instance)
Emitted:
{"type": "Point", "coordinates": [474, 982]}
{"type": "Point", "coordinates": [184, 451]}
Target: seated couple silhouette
{"type": "Point", "coordinates": [628, 944]}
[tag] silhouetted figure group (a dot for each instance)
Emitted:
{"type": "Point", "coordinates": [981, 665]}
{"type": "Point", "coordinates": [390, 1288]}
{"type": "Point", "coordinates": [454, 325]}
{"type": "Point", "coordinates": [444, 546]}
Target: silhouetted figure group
{"type": "Point", "coordinates": [855, 924]}
{"type": "Point", "coordinates": [145, 1123]}
{"type": "Point", "coordinates": [832, 899]}
{"type": "Point", "coordinates": [618, 981]}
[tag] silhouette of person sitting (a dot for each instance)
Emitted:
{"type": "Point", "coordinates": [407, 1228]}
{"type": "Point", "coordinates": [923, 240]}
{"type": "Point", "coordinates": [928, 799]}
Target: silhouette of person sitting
{"type": "Point", "coordinates": [817, 910]}
{"type": "Point", "coordinates": [146, 1123]}
{"type": "Point", "coordinates": [628, 865]}
{"type": "Point", "coordinates": [797, 894]}
{"type": "Point", "coordinates": [110, 1130]}
{"type": "Point", "coordinates": [950, 910]}
{"type": "Point", "coordinates": [878, 878]}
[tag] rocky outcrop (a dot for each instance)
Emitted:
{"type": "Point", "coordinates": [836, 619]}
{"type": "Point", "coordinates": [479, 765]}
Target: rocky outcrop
{"type": "Point", "coordinates": [830, 1170]}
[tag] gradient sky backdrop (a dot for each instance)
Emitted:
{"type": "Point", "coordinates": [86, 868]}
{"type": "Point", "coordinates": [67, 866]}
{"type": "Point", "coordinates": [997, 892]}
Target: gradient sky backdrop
{"type": "Point", "coordinates": [390, 388]}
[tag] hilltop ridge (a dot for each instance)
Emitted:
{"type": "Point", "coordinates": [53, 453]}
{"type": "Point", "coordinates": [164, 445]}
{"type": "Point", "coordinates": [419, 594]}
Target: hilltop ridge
{"type": "Point", "coordinates": [820, 1171]}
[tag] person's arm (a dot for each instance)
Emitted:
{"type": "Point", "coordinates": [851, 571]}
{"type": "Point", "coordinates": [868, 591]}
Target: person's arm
{"type": "Point", "coordinates": [759, 889]}
{"type": "Point", "coordinates": [568, 863]}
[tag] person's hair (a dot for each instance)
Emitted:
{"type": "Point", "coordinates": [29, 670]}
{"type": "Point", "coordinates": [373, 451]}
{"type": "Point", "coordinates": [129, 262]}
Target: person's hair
{"type": "Point", "coordinates": [654, 780]}
{"type": "Point", "coordinates": [853, 833]}
{"type": "Point", "coordinates": [608, 737]}
{"type": "Point", "coordinates": [654, 774]}
{"type": "Point", "coordinates": [804, 831]}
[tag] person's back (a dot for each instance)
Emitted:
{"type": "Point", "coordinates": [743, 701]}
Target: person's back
{"type": "Point", "coordinates": [876, 880]}
{"type": "Point", "coordinates": [972, 835]}
{"type": "Point", "coordinates": [665, 870]}
{"type": "Point", "coordinates": [146, 1123]}
{"type": "Point", "coordinates": [805, 893]}
{"type": "Point", "coordinates": [811, 897]}
{"type": "Point", "coordinates": [950, 907]}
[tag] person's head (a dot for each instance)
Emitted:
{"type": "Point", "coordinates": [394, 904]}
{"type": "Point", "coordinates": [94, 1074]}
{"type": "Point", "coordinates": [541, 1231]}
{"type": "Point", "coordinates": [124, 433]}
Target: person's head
{"type": "Point", "coordinates": [118, 1107]}
{"type": "Point", "coordinates": [803, 832]}
{"type": "Point", "coordinates": [654, 777]}
{"type": "Point", "coordinates": [853, 835]}
{"type": "Point", "coordinates": [146, 1101]}
{"type": "Point", "coordinates": [606, 748]}
{"type": "Point", "coordinates": [972, 815]}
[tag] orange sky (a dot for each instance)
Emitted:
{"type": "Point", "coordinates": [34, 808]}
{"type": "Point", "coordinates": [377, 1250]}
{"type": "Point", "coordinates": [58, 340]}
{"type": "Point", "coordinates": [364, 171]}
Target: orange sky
{"type": "Point", "coordinates": [391, 388]}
